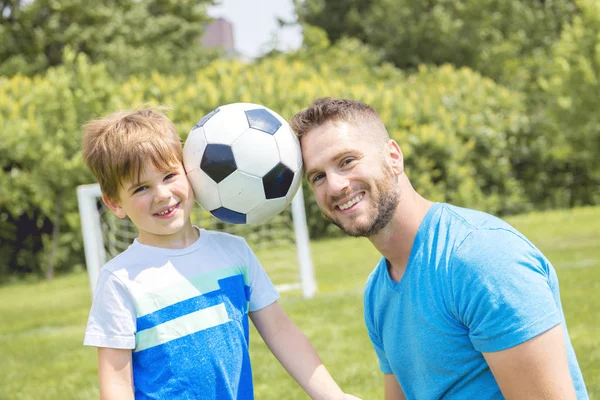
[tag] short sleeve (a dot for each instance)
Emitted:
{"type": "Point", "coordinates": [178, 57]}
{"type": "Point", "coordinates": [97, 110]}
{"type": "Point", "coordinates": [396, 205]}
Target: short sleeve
{"type": "Point", "coordinates": [111, 322]}
{"type": "Point", "coordinates": [502, 287]}
{"type": "Point", "coordinates": [384, 365]}
{"type": "Point", "coordinates": [262, 291]}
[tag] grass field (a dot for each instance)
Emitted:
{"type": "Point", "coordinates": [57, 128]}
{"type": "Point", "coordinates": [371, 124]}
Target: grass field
{"type": "Point", "coordinates": [42, 324]}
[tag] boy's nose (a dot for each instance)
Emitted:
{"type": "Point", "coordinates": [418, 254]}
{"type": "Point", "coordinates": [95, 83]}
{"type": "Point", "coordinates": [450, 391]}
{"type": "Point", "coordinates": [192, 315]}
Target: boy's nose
{"type": "Point", "coordinates": [161, 194]}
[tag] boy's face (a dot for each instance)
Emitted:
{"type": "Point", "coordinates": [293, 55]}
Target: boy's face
{"type": "Point", "coordinates": [159, 205]}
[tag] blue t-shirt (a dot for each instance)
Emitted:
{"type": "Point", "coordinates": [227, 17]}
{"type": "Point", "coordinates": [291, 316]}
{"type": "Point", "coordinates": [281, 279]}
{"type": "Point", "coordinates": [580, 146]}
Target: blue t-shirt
{"type": "Point", "coordinates": [184, 315]}
{"type": "Point", "coordinates": [472, 284]}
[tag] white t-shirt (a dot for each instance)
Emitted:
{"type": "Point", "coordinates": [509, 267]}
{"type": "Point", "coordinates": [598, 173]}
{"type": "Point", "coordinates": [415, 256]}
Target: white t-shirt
{"type": "Point", "coordinates": [184, 315]}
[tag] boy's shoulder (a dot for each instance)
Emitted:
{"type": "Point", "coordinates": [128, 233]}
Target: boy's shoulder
{"type": "Point", "coordinates": [223, 238]}
{"type": "Point", "coordinates": [139, 256]}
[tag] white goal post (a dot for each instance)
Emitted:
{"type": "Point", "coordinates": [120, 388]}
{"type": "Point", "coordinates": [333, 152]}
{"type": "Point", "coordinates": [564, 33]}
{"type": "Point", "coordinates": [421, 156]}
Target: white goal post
{"type": "Point", "coordinates": [102, 242]}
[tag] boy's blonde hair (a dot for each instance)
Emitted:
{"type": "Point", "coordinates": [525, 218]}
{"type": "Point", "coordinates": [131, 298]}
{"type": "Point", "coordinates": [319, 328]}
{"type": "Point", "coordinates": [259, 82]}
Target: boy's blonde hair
{"type": "Point", "coordinates": [117, 147]}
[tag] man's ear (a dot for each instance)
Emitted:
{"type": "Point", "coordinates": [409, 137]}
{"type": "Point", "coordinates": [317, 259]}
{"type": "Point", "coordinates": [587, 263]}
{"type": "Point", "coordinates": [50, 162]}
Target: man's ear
{"type": "Point", "coordinates": [114, 206]}
{"type": "Point", "coordinates": [395, 157]}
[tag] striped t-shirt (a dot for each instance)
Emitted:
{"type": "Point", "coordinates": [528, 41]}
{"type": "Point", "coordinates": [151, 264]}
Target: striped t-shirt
{"type": "Point", "coordinates": [184, 314]}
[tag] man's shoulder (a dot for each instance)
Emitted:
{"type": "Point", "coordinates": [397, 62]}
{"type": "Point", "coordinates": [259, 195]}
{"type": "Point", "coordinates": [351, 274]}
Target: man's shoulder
{"type": "Point", "coordinates": [473, 219]}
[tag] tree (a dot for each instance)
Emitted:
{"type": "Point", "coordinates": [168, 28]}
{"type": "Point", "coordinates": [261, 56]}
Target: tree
{"type": "Point", "coordinates": [129, 36]}
{"type": "Point", "coordinates": [490, 36]}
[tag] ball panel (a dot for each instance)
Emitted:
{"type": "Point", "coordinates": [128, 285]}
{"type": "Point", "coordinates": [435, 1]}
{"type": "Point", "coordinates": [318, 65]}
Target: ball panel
{"type": "Point", "coordinates": [241, 107]}
{"type": "Point", "coordinates": [206, 118]}
{"type": "Point", "coordinates": [229, 216]}
{"type": "Point", "coordinates": [225, 126]}
{"type": "Point", "coordinates": [194, 149]}
{"type": "Point", "coordinates": [289, 148]}
{"type": "Point", "coordinates": [206, 191]}
{"type": "Point", "coordinates": [268, 209]}
{"type": "Point", "coordinates": [296, 182]}
{"type": "Point", "coordinates": [218, 161]}
{"type": "Point", "coordinates": [277, 181]}
{"type": "Point", "coordinates": [263, 120]}
{"type": "Point", "coordinates": [255, 152]}
{"type": "Point", "coordinates": [241, 192]}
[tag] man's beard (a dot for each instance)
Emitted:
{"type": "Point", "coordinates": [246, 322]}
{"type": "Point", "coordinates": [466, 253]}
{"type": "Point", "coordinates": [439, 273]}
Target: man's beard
{"type": "Point", "coordinates": [387, 201]}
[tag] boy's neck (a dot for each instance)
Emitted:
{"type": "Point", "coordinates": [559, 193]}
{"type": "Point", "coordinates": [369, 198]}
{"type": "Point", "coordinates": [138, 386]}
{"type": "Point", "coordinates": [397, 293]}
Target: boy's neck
{"type": "Point", "coordinates": [184, 238]}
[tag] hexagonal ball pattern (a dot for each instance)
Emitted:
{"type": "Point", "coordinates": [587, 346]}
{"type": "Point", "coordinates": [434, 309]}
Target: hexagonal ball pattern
{"type": "Point", "coordinates": [206, 191]}
{"type": "Point", "coordinates": [206, 118]}
{"type": "Point", "coordinates": [277, 181]}
{"type": "Point", "coordinates": [241, 192]}
{"type": "Point", "coordinates": [218, 161]}
{"type": "Point", "coordinates": [268, 209]}
{"type": "Point", "coordinates": [241, 106]}
{"type": "Point", "coordinates": [263, 120]}
{"type": "Point", "coordinates": [255, 152]}
{"type": "Point", "coordinates": [289, 148]}
{"type": "Point", "coordinates": [225, 126]}
{"type": "Point", "coordinates": [194, 149]}
{"type": "Point", "coordinates": [230, 216]}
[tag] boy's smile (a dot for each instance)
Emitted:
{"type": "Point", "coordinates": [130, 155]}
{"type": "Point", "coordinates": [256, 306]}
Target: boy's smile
{"type": "Point", "coordinates": [159, 205]}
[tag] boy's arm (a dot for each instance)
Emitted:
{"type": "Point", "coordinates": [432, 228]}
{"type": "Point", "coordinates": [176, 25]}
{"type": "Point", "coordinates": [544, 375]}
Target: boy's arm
{"type": "Point", "coordinates": [391, 388]}
{"type": "Point", "coordinates": [295, 352]}
{"type": "Point", "coordinates": [115, 374]}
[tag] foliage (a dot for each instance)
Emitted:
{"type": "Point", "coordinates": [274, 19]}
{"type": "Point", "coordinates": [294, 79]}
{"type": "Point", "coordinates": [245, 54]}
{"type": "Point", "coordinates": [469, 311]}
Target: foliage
{"type": "Point", "coordinates": [494, 37]}
{"type": "Point", "coordinates": [566, 107]}
{"type": "Point", "coordinates": [457, 122]}
{"type": "Point", "coordinates": [43, 323]}
{"type": "Point", "coordinates": [129, 36]}
{"type": "Point", "coordinates": [466, 139]}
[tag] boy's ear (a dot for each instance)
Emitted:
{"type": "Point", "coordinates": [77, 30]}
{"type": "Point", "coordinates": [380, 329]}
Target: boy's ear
{"type": "Point", "coordinates": [395, 157]}
{"type": "Point", "coordinates": [114, 206]}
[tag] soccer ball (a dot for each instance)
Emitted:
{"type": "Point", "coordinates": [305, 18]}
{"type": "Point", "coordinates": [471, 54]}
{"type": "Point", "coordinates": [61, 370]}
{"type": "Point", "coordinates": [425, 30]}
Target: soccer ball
{"type": "Point", "coordinates": [244, 163]}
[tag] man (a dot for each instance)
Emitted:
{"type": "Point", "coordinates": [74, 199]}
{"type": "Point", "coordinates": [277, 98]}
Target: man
{"type": "Point", "coordinates": [461, 305]}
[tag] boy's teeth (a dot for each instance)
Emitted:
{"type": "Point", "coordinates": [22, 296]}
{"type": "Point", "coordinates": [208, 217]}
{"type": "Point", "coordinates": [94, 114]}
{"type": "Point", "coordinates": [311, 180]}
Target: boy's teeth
{"type": "Point", "coordinates": [167, 210]}
{"type": "Point", "coordinates": [351, 202]}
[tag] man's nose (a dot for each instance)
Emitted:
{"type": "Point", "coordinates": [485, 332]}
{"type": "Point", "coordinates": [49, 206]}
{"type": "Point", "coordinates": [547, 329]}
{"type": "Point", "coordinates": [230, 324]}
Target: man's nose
{"type": "Point", "coordinates": [337, 183]}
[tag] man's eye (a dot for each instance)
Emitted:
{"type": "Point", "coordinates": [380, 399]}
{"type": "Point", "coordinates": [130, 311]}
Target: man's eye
{"type": "Point", "coordinates": [317, 178]}
{"type": "Point", "coordinates": [347, 161]}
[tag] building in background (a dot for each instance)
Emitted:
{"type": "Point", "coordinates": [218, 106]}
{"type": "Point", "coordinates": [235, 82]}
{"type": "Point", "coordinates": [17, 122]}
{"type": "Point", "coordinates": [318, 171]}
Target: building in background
{"type": "Point", "coordinates": [219, 33]}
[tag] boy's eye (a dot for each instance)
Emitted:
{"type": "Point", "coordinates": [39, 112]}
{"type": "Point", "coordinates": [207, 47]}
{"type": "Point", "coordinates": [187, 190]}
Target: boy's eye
{"type": "Point", "coordinates": [139, 189]}
{"type": "Point", "coordinates": [169, 176]}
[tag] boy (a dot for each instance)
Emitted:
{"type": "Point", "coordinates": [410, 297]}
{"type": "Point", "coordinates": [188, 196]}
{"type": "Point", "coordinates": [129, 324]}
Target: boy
{"type": "Point", "coordinates": [170, 316]}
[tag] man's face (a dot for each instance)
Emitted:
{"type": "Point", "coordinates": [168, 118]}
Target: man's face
{"type": "Point", "coordinates": [349, 171]}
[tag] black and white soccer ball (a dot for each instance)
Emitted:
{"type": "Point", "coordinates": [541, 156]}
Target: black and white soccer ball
{"type": "Point", "coordinates": [244, 163]}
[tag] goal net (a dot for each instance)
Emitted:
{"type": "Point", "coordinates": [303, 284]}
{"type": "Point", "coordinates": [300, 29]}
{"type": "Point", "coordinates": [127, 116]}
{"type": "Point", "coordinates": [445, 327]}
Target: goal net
{"type": "Point", "coordinates": [274, 241]}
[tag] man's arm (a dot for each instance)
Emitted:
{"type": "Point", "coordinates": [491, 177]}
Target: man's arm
{"type": "Point", "coordinates": [115, 374]}
{"type": "Point", "coordinates": [295, 353]}
{"type": "Point", "coordinates": [535, 369]}
{"type": "Point", "coordinates": [391, 388]}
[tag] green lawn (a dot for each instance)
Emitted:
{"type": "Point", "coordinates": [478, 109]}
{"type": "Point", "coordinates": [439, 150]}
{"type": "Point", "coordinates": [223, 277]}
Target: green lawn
{"type": "Point", "coordinates": [42, 324]}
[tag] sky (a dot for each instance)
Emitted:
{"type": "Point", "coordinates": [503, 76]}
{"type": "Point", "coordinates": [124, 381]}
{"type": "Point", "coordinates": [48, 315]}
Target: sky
{"type": "Point", "coordinates": [255, 24]}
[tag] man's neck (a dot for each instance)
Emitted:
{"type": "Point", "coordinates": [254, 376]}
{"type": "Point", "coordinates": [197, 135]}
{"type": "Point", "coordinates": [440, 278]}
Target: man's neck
{"type": "Point", "coordinates": [396, 240]}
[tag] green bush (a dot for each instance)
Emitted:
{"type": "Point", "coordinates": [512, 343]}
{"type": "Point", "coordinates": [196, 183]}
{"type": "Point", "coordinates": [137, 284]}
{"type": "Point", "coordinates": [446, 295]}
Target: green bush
{"type": "Point", "coordinates": [456, 128]}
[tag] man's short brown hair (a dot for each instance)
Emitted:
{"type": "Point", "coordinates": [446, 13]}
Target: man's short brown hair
{"type": "Point", "coordinates": [117, 147]}
{"type": "Point", "coordinates": [327, 109]}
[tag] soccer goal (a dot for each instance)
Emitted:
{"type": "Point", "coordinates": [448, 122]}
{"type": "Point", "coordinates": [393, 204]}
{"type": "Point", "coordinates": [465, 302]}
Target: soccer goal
{"type": "Point", "coordinates": [105, 236]}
